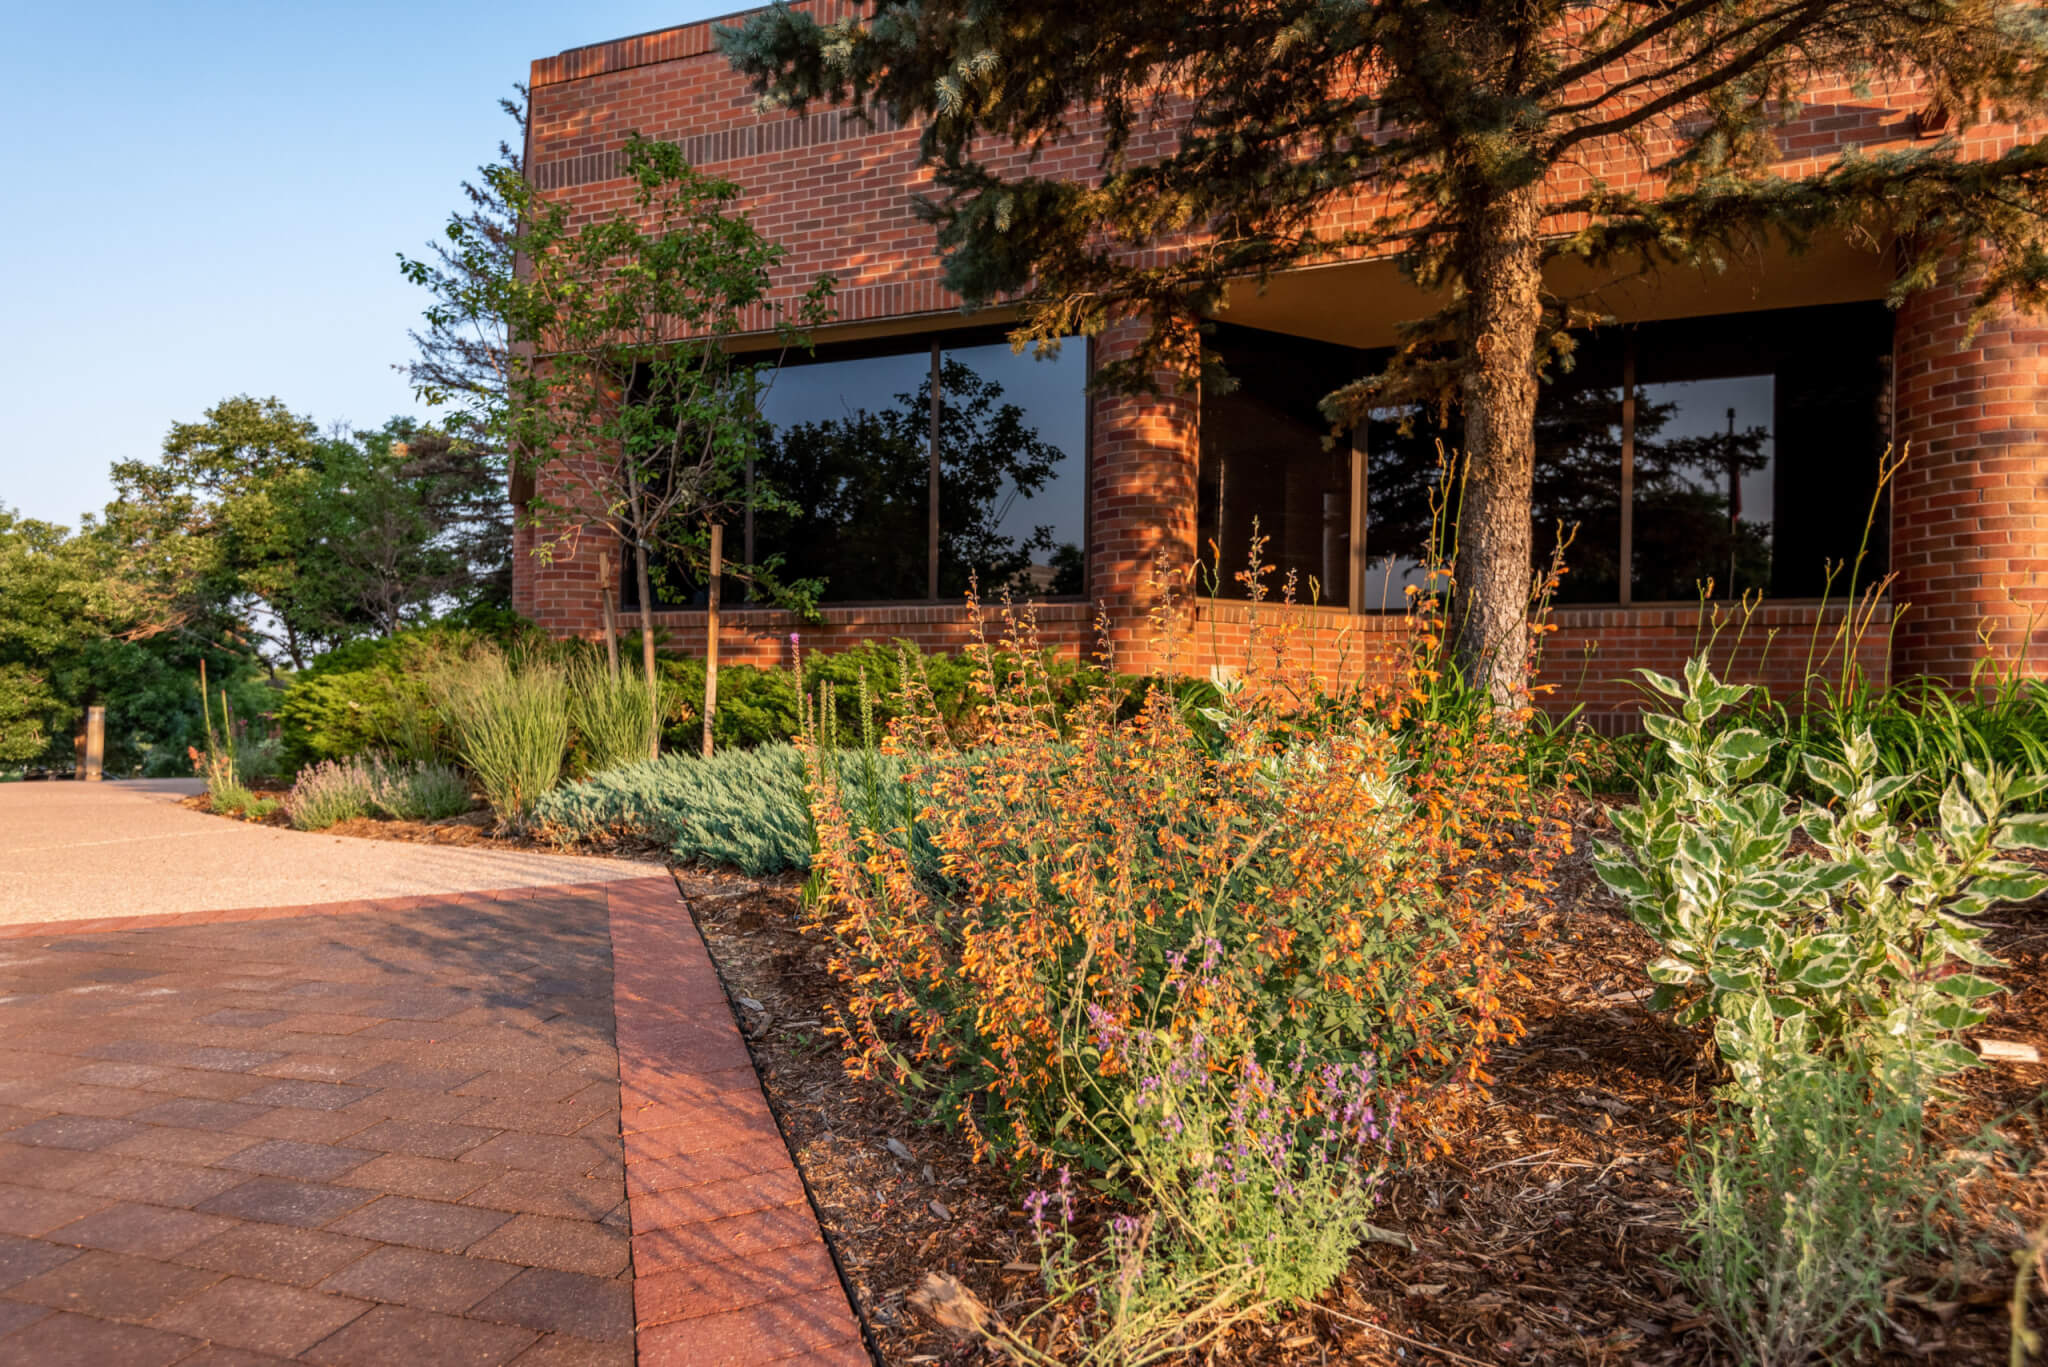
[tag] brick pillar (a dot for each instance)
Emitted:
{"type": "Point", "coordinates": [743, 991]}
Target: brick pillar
{"type": "Point", "coordinates": [1970, 508]}
{"type": "Point", "coordinates": [1141, 497]}
{"type": "Point", "coordinates": [561, 593]}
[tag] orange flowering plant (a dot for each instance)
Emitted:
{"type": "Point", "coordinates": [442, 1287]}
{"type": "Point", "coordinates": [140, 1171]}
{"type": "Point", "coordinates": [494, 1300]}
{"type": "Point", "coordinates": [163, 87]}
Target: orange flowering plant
{"type": "Point", "coordinates": [1361, 868]}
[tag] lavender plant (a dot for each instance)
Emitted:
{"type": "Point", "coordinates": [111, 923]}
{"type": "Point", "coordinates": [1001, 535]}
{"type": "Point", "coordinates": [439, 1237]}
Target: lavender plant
{"type": "Point", "coordinates": [1253, 1182]}
{"type": "Point", "coordinates": [415, 791]}
{"type": "Point", "coordinates": [329, 792]}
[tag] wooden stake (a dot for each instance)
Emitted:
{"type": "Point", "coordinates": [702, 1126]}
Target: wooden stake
{"type": "Point", "coordinates": [608, 587]}
{"type": "Point", "coordinates": [95, 743]}
{"type": "Point", "coordinates": [711, 633]}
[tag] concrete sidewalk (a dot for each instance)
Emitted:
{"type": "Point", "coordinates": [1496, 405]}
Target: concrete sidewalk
{"type": "Point", "coordinates": [78, 850]}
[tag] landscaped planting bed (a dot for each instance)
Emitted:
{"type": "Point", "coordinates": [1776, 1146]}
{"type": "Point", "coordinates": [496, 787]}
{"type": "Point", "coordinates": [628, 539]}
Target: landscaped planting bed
{"type": "Point", "coordinates": [1539, 1239]}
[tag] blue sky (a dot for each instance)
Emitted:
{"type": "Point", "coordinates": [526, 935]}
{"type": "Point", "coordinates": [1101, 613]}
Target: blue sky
{"type": "Point", "coordinates": [206, 199]}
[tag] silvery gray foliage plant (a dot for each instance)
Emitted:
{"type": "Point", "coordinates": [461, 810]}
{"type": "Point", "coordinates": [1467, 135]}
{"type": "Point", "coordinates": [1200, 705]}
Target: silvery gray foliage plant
{"type": "Point", "coordinates": [1863, 947]}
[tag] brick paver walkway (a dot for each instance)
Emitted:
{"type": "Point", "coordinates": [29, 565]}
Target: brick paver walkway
{"type": "Point", "coordinates": [390, 1133]}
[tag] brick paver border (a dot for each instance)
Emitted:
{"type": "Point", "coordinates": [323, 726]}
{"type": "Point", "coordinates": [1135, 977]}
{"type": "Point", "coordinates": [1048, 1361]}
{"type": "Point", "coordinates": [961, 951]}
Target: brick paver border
{"type": "Point", "coordinates": [729, 1263]}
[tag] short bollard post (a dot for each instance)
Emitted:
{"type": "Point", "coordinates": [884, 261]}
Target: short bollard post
{"type": "Point", "coordinates": [95, 744]}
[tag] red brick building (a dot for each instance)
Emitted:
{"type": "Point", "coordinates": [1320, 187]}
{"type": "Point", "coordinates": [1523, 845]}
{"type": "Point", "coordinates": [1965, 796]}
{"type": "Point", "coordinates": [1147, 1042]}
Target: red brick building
{"type": "Point", "coordinates": [1726, 428]}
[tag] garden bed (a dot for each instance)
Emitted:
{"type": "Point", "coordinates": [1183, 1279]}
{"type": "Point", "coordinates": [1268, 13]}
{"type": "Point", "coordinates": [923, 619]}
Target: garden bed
{"type": "Point", "coordinates": [1540, 1239]}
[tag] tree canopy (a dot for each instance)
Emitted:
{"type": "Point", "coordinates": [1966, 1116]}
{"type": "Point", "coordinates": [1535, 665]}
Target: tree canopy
{"type": "Point", "coordinates": [1462, 138]}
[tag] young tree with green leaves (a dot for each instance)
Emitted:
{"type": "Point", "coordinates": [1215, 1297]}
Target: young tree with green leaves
{"type": "Point", "coordinates": [1232, 135]}
{"type": "Point", "coordinates": [625, 397]}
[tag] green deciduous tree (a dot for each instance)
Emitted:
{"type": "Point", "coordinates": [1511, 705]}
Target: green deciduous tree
{"type": "Point", "coordinates": [314, 539]}
{"type": "Point", "coordinates": [104, 615]}
{"type": "Point", "coordinates": [1456, 136]}
{"type": "Point", "coordinates": [623, 388]}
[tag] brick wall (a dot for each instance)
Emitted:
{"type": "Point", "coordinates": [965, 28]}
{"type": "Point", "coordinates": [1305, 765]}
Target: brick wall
{"type": "Point", "coordinates": [1970, 511]}
{"type": "Point", "coordinates": [1970, 506]}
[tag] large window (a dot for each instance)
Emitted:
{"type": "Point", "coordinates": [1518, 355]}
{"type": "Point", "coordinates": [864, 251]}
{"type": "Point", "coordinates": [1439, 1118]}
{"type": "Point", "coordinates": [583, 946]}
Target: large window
{"type": "Point", "coordinates": [854, 449]}
{"type": "Point", "coordinates": [1736, 454]}
{"type": "Point", "coordinates": [1271, 465]}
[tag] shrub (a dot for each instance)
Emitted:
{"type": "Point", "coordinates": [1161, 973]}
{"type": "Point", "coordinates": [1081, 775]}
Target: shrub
{"type": "Point", "coordinates": [1207, 952]}
{"type": "Point", "coordinates": [745, 808]}
{"type": "Point", "coordinates": [1360, 901]}
{"type": "Point", "coordinates": [508, 719]}
{"type": "Point", "coordinates": [329, 792]}
{"type": "Point", "coordinates": [375, 694]}
{"type": "Point", "coordinates": [1803, 1208]}
{"type": "Point", "coordinates": [1860, 948]}
{"type": "Point", "coordinates": [609, 714]}
{"type": "Point", "coordinates": [416, 791]}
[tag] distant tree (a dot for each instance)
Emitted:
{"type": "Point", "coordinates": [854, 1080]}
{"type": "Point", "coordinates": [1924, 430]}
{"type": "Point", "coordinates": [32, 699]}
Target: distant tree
{"type": "Point", "coordinates": [413, 524]}
{"type": "Point", "coordinates": [230, 495]}
{"type": "Point", "coordinates": [463, 355]}
{"type": "Point", "coordinates": [622, 388]}
{"type": "Point", "coordinates": [98, 615]}
{"type": "Point", "coordinates": [1243, 139]}
{"type": "Point", "coordinates": [308, 540]}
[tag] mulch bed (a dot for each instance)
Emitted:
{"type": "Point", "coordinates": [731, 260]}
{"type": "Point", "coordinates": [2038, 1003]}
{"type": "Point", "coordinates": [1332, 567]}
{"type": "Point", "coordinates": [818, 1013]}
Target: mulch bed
{"type": "Point", "coordinates": [1540, 1240]}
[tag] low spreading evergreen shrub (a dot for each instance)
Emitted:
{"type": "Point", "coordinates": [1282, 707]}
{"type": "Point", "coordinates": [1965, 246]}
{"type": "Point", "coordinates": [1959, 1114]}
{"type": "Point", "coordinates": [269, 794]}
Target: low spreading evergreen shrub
{"type": "Point", "coordinates": [745, 808]}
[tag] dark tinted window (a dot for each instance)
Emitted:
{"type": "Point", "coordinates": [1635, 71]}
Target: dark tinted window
{"type": "Point", "coordinates": [1268, 461]}
{"type": "Point", "coordinates": [1757, 442]}
{"type": "Point", "coordinates": [848, 446]}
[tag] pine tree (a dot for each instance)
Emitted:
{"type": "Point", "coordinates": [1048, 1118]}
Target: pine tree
{"type": "Point", "coordinates": [1239, 139]}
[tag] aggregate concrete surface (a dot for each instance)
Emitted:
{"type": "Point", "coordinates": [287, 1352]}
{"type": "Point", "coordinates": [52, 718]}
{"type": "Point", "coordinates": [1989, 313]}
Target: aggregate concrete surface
{"type": "Point", "coordinates": [86, 850]}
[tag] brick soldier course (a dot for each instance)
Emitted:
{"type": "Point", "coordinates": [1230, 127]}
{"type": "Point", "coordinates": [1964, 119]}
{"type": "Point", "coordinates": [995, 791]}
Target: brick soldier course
{"type": "Point", "coordinates": [391, 1132]}
{"type": "Point", "coordinates": [1968, 518]}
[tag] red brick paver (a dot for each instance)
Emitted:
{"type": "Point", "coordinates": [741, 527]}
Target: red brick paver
{"type": "Point", "coordinates": [431, 1131]}
{"type": "Point", "coordinates": [356, 1133]}
{"type": "Point", "coordinates": [729, 1264]}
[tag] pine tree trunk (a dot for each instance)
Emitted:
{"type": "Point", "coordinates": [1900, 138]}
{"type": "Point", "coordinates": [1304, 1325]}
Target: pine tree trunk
{"type": "Point", "coordinates": [1503, 313]}
{"type": "Point", "coordinates": [647, 649]}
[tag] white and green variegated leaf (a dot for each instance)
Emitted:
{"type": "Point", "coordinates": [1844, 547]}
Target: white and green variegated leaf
{"type": "Point", "coordinates": [1832, 777]}
{"type": "Point", "coordinates": [1942, 1057]}
{"type": "Point", "coordinates": [1668, 686]}
{"type": "Point", "coordinates": [1621, 875]}
{"type": "Point", "coordinates": [2024, 831]}
{"type": "Point", "coordinates": [1960, 819]}
{"type": "Point", "coordinates": [1674, 971]}
{"type": "Point", "coordinates": [1967, 987]}
{"type": "Point", "coordinates": [1954, 1015]}
{"type": "Point", "coordinates": [1732, 979]}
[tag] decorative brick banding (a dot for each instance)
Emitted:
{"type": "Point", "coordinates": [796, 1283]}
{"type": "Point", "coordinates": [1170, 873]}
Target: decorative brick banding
{"type": "Point", "coordinates": [729, 1265]}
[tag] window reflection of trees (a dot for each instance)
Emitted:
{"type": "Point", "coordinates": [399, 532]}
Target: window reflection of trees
{"type": "Point", "coordinates": [860, 485]}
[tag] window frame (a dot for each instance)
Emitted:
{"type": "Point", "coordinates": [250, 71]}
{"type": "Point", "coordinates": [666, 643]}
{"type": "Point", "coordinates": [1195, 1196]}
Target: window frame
{"type": "Point", "coordinates": [1361, 502]}
{"type": "Point", "coordinates": [937, 343]}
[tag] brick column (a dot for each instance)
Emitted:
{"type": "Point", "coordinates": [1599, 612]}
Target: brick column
{"type": "Point", "coordinates": [1970, 508]}
{"type": "Point", "coordinates": [562, 594]}
{"type": "Point", "coordinates": [1141, 497]}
